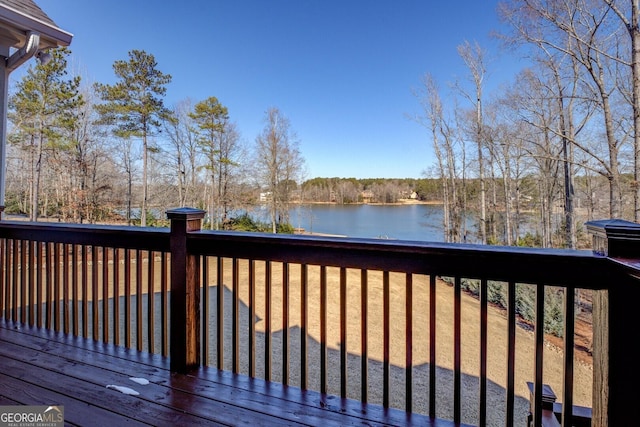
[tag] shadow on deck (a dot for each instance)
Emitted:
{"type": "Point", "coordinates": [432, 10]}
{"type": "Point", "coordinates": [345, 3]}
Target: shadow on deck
{"type": "Point", "coordinates": [47, 368]}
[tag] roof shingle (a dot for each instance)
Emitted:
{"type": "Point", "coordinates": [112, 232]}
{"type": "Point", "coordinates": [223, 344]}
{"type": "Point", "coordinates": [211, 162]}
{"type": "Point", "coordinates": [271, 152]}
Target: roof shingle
{"type": "Point", "coordinates": [18, 17]}
{"type": "Point", "coordinates": [29, 8]}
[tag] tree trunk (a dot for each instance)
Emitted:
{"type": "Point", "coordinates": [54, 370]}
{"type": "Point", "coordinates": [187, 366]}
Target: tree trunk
{"type": "Point", "coordinates": [506, 176]}
{"type": "Point", "coordinates": [483, 191]}
{"type": "Point", "coordinates": [634, 32]}
{"type": "Point", "coordinates": [37, 175]}
{"type": "Point", "coordinates": [569, 215]}
{"type": "Point", "coordinates": [143, 213]}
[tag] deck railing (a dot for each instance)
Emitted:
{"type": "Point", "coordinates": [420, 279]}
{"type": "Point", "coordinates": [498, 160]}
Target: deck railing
{"type": "Point", "coordinates": [271, 303]}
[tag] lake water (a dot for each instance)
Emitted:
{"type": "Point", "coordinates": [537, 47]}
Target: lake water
{"type": "Point", "coordinates": [405, 222]}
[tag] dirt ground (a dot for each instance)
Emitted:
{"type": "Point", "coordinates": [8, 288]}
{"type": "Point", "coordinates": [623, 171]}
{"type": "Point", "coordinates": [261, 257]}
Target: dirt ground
{"type": "Point", "coordinates": [470, 334]}
{"type": "Point", "coordinates": [470, 338]}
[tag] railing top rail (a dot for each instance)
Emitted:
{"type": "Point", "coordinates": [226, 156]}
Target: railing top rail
{"type": "Point", "coordinates": [143, 238]}
{"type": "Point", "coordinates": [575, 268]}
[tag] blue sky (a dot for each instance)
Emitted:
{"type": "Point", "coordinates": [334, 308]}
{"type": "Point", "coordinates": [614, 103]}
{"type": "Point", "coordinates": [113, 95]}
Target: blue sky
{"type": "Point", "coordinates": [342, 71]}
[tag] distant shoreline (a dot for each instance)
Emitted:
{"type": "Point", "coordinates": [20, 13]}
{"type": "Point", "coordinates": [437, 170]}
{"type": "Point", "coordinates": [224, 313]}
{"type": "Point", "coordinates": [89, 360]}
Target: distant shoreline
{"type": "Point", "coordinates": [400, 202]}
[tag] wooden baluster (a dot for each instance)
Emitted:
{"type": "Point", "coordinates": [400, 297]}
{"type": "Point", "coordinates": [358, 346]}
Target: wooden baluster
{"type": "Point", "coordinates": [285, 323]}
{"type": "Point", "coordinates": [408, 340]}
{"type": "Point", "coordinates": [386, 308]}
{"type": "Point", "coordinates": [304, 325]}
{"type": "Point", "coordinates": [343, 333]}
{"type": "Point", "coordinates": [432, 346]}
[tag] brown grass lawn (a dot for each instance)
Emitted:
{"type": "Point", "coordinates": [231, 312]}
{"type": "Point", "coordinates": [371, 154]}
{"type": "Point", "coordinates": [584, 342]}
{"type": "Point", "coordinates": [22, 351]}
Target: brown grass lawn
{"type": "Point", "coordinates": [553, 357]}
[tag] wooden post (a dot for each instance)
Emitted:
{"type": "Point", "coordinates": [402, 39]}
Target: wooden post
{"type": "Point", "coordinates": [184, 349]}
{"type": "Point", "coordinates": [616, 375]}
{"type": "Point", "coordinates": [4, 96]}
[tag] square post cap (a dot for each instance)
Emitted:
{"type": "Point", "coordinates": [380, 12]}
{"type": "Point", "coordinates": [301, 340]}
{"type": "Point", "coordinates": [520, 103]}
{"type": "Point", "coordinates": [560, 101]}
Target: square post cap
{"type": "Point", "coordinates": [615, 238]}
{"type": "Point", "coordinates": [185, 214]}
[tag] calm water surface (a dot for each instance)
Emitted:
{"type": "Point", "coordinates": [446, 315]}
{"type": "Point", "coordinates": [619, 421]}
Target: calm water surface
{"type": "Point", "coordinates": [405, 222]}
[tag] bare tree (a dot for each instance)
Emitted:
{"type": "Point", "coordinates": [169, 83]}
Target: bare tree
{"type": "Point", "coordinates": [630, 17]}
{"type": "Point", "coordinates": [230, 153]}
{"type": "Point", "coordinates": [84, 167]}
{"type": "Point", "coordinates": [443, 140]}
{"type": "Point", "coordinates": [585, 32]}
{"type": "Point", "coordinates": [278, 164]}
{"type": "Point", "coordinates": [184, 153]}
{"type": "Point", "coordinates": [536, 108]}
{"type": "Point", "coordinates": [126, 157]}
{"type": "Point", "coordinates": [474, 58]}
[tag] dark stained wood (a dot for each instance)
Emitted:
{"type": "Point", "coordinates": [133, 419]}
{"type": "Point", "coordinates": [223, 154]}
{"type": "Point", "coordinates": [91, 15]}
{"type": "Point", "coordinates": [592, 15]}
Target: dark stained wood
{"type": "Point", "coordinates": [285, 324]}
{"type": "Point", "coordinates": [432, 346]}
{"type": "Point", "coordinates": [15, 303]}
{"type": "Point", "coordinates": [151, 318]}
{"type": "Point", "coordinates": [185, 291]}
{"type": "Point", "coordinates": [484, 303]}
{"type": "Point", "coordinates": [66, 270]}
{"type": "Point", "coordinates": [364, 336]}
{"type": "Point", "coordinates": [304, 313]}
{"type": "Point", "coordinates": [74, 291]}
{"type": "Point", "coordinates": [206, 310]}
{"type": "Point", "coordinates": [48, 255]}
{"type": "Point", "coordinates": [235, 316]}
{"type": "Point", "coordinates": [116, 297]}
{"type": "Point", "coordinates": [3, 283]}
{"type": "Point", "coordinates": [85, 288]}
{"type": "Point", "coordinates": [32, 286]}
{"type": "Point", "coordinates": [323, 329]}
{"type": "Point", "coordinates": [165, 303]}
{"type": "Point", "coordinates": [539, 361]}
{"type": "Point", "coordinates": [386, 338]}
{"type": "Point", "coordinates": [14, 280]}
{"type": "Point", "coordinates": [39, 281]}
{"type": "Point", "coordinates": [343, 333]}
{"type": "Point", "coordinates": [457, 349]}
{"type": "Point", "coordinates": [88, 235]}
{"type": "Point", "coordinates": [139, 297]}
{"type": "Point", "coordinates": [577, 268]}
{"type": "Point", "coordinates": [56, 285]}
{"type": "Point", "coordinates": [542, 267]}
{"type": "Point", "coordinates": [95, 270]}
{"type": "Point", "coordinates": [76, 412]}
{"type": "Point", "coordinates": [408, 339]}
{"type": "Point", "coordinates": [23, 282]}
{"type": "Point", "coordinates": [511, 351]}
{"type": "Point", "coordinates": [252, 323]}
{"type": "Point", "coordinates": [220, 312]}
{"type": "Point", "coordinates": [267, 319]}
{"type": "Point", "coordinates": [54, 297]}
{"type": "Point", "coordinates": [105, 294]}
{"type": "Point", "coordinates": [127, 297]}
{"type": "Point", "coordinates": [40, 367]}
{"type": "Point", "coordinates": [533, 265]}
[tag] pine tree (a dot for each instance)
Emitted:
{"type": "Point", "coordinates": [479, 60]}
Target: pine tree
{"type": "Point", "coordinates": [43, 110]}
{"type": "Point", "coordinates": [134, 107]}
{"type": "Point", "coordinates": [211, 118]}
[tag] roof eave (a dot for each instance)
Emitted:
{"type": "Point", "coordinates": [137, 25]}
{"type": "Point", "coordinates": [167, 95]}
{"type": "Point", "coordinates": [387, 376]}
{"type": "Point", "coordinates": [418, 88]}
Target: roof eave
{"type": "Point", "coordinates": [50, 36]}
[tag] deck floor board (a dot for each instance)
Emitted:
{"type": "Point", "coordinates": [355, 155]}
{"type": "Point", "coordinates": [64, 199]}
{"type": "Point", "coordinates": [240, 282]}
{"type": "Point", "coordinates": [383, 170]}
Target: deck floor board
{"type": "Point", "coordinates": [39, 367]}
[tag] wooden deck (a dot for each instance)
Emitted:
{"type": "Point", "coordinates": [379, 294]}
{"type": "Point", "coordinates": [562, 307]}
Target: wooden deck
{"type": "Point", "coordinates": [38, 367]}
